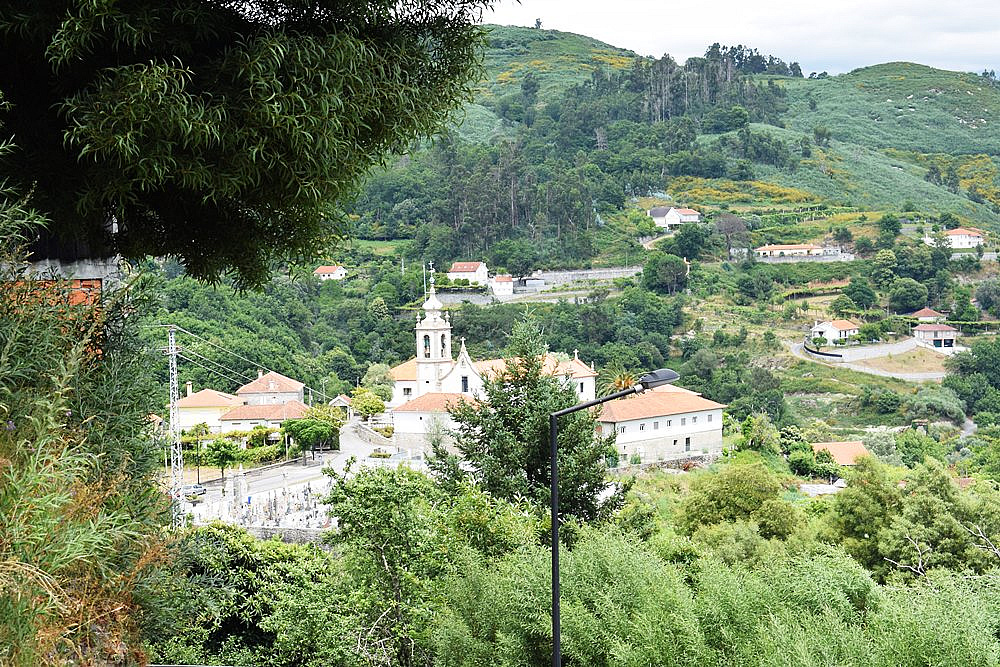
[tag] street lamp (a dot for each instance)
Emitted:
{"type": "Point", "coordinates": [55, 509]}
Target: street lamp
{"type": "Point", "coordinates": [648, 381]}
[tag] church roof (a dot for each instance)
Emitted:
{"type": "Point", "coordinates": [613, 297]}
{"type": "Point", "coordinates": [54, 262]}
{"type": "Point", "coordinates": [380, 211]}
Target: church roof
{"type": "Point", "coordinates": [433, 402]}
{"type": "Point", "coordinates": [550, 365]}
{"type": "Point", "coordinates": [406, 371]}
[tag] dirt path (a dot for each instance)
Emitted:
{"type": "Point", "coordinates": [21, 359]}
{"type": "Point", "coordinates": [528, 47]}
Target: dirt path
{"type": "Point", "coordinates": [796, 349]}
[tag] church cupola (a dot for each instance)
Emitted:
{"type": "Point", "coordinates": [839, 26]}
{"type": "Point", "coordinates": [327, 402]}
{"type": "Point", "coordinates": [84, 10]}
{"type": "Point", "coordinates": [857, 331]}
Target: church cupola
{"type": "Point", "coordinates": [433, 338]}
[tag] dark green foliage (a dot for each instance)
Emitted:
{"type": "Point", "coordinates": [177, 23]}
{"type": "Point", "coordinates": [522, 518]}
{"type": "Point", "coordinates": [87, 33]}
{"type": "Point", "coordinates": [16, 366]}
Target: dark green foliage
{"type": "Point", "coordinates": [664, 273]}
{"type": "Point", "coordinates": [738, 492]}
{"type": "Point", "coordinates": [188, 121]}
{"type": "Point", "coordinates": [504, 439]}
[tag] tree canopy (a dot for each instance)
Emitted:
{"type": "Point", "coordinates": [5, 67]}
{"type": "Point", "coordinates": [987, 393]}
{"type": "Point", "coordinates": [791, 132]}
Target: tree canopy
{"type": "Point", "coordinates": [163, 128]}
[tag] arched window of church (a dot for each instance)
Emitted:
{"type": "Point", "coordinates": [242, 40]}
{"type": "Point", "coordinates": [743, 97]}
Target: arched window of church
{"type": "Point", "coordinates": [443, 348]}
{"type": "Point", "coordinates": [427, 347]}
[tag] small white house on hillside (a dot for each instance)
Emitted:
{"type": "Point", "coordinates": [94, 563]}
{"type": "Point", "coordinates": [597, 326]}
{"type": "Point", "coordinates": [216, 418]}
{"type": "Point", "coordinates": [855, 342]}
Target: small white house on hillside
{"type": "Point", "coordinates": [663, 424]}
{"type": "Point", "coordinates": [927, 315]}
{"type": "Point", "coordinates": [330, 272]}
{"type": "Point", "coordinates": [670, 217]}
{"type": "Point", "coordinates": [936, 335]}
{"type": "Point", "coordinates": [474, 272]}
{"type": "Point", "coordinates": [960, 237]}
{"type": "Point", "coordinates": [833, 330]}
{"type": "Point", "coordinates": [502, 285]}
{"type": "Point", "coordinates": [789, 250]}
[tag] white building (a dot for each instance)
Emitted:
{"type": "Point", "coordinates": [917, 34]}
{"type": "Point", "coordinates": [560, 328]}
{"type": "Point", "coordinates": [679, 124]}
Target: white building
{"type": "Point", "coordinates": [330, 272]}
{"type": "Point", "coordinates": [833, 330]}
{"type": "Point", "coordinates": [789, 250]}
{"type": "Point", "coordinates": [936, 335]}
{"type": "Point", "coordinates": [474, 272]}
{"type": "Point", "coordinates": [435, 374]}
{"type": "Point", "coordinates": [502, 285]}
{"type": "Point", "coordinates": [960, 237]}
{"type": "Point", "coordinates": [670, 217]}
{"type": "Point", "coordinates": [247, 417]}
{"type": "Point", "coordinates": [927, 315]}
{"type": "Point", "coordinates": [204, 407]}
{"type": "Point", "coordinates": [415, 420]}
{"type": "Point", "coordinates": [663, 424]}
{"type": "Point", "coordinates": [271, 389]}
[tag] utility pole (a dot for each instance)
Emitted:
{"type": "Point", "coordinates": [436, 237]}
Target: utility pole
{"type": "Point", "coordinates": [176, 454]}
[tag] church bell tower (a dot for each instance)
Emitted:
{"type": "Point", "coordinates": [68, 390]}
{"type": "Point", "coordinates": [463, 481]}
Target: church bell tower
{"type": "Point", "coordinates": [433, 338]}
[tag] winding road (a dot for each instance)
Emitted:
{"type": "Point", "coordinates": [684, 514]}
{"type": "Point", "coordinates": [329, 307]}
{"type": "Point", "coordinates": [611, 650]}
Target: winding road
{"type": "Point", "coordinates": [857, 354]}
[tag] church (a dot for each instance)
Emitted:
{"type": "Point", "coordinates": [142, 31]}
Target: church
{"type": "Point", "coordinates": [427, 385]}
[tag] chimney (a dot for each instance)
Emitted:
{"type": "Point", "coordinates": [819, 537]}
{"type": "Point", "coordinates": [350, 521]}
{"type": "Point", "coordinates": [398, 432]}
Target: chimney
{"type": "Point", "coordinates": [260, 372]}
{"type": "Point", "coordinates": [188, 385]}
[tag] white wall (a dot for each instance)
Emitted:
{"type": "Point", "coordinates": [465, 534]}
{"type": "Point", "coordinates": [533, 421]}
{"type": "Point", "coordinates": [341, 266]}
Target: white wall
{"type": "Point", "coordinates": [272, 398]}
{"type": "Point", "coordinates": [662, 438]}
{"type": "Point", "coordinates": [190, 417]}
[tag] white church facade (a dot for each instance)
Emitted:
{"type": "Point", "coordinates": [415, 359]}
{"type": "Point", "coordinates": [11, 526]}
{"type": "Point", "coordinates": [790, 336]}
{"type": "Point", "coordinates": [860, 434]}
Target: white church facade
{"type": "Point", "coordinates": [427, 385]}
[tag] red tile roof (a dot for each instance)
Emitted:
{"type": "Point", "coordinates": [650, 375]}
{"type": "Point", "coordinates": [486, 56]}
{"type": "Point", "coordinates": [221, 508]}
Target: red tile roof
{"type": "Point", "coordinates": [656, 404]}
{"type": "Point", "coordinates": [269, 383]}
{"type": "Point", "coordinates": [958, 231]}
{"type": "Point", "coordinates": [433, 402]}
{"type": "Point", "coordinates": [465, 267]}
{"type": "Point", "coordinates": [281, 412]}
{"type": "Point", "coordinates": [208, 398]}
{"type": "Point", "coordinates": [843, 325]}
{"type": "Point", "coordinates": [934, 327]}
{"type": "Point", "coordinates": [843, 453]}
{"type": "Point", "coordinates": [503, 278]}
{"type": "Point", "coordinates": [406, 371]}
{"type": "Point", "coordinates": [328, 268]}
{"type": "Point", "coordinates": [926, 312]}
{"type": "Point", "coordinates": [687, 211]}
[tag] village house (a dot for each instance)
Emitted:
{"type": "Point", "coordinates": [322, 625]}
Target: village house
{"type": "Point", "coordinates": [268, 415]}
{"type": "Point", "coordinates": [833, 330]}
{"type": "Point", "coordinates": [663, 424]}
{"type": "Point", "coordinates": [330, 272]}
{"type": "Point", "coordinates": [271, 389]}
{"type": "Point", "coordinates": [789, 250]}
{"type": "Point", "coordinates": [474, 272]}
{"type": "Point", "coordinates": [343, 401]}
{"type": "Point", "coordinates": [927, 315]}
{"type": "Point", "coordinates": [936, 335]}
{"type": "Point", "coordinates": [502, 285]}
{"type": "Point", "coordinates": [204, 407]}
{"type": "Point", "coordinates": [670, 217]}
{"type": "Point", "coordinates": [843, 453]}
{"type": "Point", "coordinates": [960, 237]}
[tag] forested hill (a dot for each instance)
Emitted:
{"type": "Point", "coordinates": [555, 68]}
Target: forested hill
{"type": "Point", "coordinates": [567, 135]}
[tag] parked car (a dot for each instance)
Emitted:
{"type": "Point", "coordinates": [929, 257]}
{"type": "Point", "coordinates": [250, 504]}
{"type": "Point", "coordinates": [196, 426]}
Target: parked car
{"type": "Point", "coordinates": [193, 490]}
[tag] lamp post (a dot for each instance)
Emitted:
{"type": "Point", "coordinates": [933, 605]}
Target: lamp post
{"type": "Point", "coordinates": [648, 381]}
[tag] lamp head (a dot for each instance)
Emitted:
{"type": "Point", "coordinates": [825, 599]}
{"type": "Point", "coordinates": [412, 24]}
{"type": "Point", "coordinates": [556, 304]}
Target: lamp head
{"type": "Point", "coordinates": [656, 378]}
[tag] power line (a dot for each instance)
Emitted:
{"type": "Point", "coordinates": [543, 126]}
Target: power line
{"type": "Point", "coordinates": [222, 366]}
{"type": "Point", "coordinates": [207, 368]}
{"type": "Point", "coordinates": [227, 351]}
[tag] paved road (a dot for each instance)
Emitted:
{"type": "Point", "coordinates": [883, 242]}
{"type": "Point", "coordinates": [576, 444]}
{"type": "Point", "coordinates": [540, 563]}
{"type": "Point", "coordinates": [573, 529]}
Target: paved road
{"type": "Point", "coordinates": [797, 350]}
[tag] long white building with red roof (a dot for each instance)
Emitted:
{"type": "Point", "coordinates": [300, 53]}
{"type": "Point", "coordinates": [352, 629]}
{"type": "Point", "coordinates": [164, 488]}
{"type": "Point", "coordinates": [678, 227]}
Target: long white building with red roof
{"type": "Point", "coordinates": [960, 237]}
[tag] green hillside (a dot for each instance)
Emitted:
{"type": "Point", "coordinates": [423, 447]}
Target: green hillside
{"type": "Point", "coordinates": [901, 105]}
{"type": "Point", "coordinates": [557, 59]}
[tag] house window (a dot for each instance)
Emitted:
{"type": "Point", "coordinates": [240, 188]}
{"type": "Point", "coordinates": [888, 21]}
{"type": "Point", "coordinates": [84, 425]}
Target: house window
{"type": "Point", "coordinates": [687, 444]}
{"type": "Point", "coordinates": [581, 387]}
{"type": "Point", "coordinates": [710, 419]}
{"type": "Point", "coordinates": [656, 426]}
{"type": "Point", "coordinates": [465, 384]}
{"type": "Point", "coordinates": [427, 347]}
{"type": "Point", "coordinates": [407, 391]}
{"type": "Point", "coordinates": [621, 429]}
{"type": "Point", "coordinates": [684, 421]}
{"type": "Point", "coordinates": [669, 422]}
{"type": "Point", "coordinates": [694, 420]}
{"type": "Point", "coordinates": [642, 427]}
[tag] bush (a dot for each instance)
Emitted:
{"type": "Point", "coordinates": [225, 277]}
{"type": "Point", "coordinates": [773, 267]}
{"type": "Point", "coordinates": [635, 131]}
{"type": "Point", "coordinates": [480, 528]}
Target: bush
{"type": "Point", "coordinates": [265, 454]}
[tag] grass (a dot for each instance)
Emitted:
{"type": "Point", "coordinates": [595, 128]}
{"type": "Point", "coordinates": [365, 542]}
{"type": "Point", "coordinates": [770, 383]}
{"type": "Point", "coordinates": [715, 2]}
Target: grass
{"type": "Point", "coordinates": [382, 248]}
{"type": "Point", "coordinates": [918, 360]}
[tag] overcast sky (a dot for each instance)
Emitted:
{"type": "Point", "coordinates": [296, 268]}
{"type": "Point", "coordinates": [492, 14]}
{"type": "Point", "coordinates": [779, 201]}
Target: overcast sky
{"type": "Point", "coordinates": [834, 36]}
